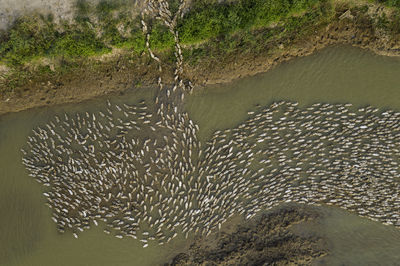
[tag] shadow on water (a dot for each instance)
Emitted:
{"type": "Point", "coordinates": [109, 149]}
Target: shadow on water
{"type": "Point", "coordinates": [339, 74]}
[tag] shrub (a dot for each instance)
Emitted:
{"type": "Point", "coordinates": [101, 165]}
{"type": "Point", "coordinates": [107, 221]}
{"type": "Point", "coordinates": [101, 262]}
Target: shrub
{"type": "Point", "coordinates": [136, 41]}
{"type": "Point", "coordinates": [207, 20]}
{"type": "Point", "coordinates": [394, 3]}
{"type": "Point", "coordinates": [82, 10]}
{"type": "Point", "coordinates": [27, 38]}
{"type": "Point", "coordinates": [394, 24]}
{"type": "Point", "coordinates": [161, 37]}
{"type": "Point", "coordinates": [78, 43]}
{"type": "Point", "coordinates": [105, 7]}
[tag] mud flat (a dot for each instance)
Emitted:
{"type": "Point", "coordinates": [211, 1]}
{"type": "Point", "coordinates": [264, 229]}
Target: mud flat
{"type": "Point", "coordinates": [266, 239]}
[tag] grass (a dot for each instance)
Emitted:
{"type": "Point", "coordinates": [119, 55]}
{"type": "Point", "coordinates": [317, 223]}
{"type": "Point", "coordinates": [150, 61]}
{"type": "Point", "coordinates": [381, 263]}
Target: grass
{"type": "Point", "coordinates": [390, 3]}
{"type": "Point", "coordinates": [82, 10]}
{"type": "Point", "coordinates": [78, 43]}
{"type": "Point", "coordinates": [253, 38]}
{"type": "Point", "coordinates": [210, 28]}
{"type": "Point", "coordinates": [28, 38]}
{"type": "Point", "coordinates": [206, 20]}
{"type": "Point", "coordinates": [392, 23]}
{"type": "Point", "coordinates": [32, 37]}
{"type": "Point", "coordinates": [36, 36]}
{"type": "Point", "coordinates": [161, 38]}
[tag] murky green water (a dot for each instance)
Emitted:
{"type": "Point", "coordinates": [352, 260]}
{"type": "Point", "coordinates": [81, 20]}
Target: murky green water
{"type": "Point", "coordinates": [339, 74]}
{"type": "Point", "coordinates": [357, 241]}
{"type": "Point", "coordinates": [27, 234]}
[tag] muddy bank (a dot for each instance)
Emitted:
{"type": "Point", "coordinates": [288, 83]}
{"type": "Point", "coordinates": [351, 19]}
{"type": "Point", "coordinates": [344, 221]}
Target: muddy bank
{"type": "Point", "coordinates": [348, 28]}
{"type": "Point", "coordinates": [265, 240]}
{"type": "Point", "coordinates": [114, 75]}
{"type": "Point", "coordinates": [122, 70]}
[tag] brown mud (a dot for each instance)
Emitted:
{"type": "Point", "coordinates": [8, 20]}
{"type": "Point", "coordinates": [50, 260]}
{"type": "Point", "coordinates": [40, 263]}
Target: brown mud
{"type": "Point", "coordinates": [114, 75]}
{"type": "Point", "coordinates": [264, 240]}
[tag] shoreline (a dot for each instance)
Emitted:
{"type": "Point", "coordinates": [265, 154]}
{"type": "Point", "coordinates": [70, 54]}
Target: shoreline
{"type": "Point", "coordinates": [119, 72]}
{"type": "Point", "coordinates": [269, 237]}
{"type": "Point", "coordinates": [340, 33]}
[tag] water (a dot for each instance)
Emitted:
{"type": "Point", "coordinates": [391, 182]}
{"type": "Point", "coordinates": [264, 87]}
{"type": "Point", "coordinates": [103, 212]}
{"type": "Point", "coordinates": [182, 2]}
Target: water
{"type": "Point", "coordinates": [27, 234]}
{"type": "Point", "coordinates": [339, 74]}
{"type": "Point", "coordinates": [334, 75]}
{"type": "Point", "coordinates": [356, 241]}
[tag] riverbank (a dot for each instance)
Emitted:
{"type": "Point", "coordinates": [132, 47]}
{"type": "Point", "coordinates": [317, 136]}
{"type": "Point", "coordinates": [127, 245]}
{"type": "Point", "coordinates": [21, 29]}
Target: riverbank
{"type": "Point", "coordinates": [218, 60]}
{"type": "Point", "coordinates": [350, 24]}
{"type": "Point", "coordinates": [265, 240]}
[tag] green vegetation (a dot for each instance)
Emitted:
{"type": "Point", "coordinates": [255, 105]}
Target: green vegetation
{"type": "Point", "coordinates": [392, 3]}
{"type": "Point", "coordinates": [207, 20]}
{"type": "Point", "coordinates": [32, 37]}
{"type": "Point", "coordinates": [395, 22]}
{"type": "Point", "coordinates": [28, 38]}
{"type": "Point", "coordinates": [161, 37]}
{"type": "Point", "coordinates": [252, 38]}
{"type": "Point", "coordinates": [82, 11]}
{"type": "Point", "coordinates": [36, 36]}
{"type": "Point", "coordinates": [78, 43]}
{"type": "Point", "coordinates": [105, 7]}
{"type": "Point", "coordinates": [391, 23]}
{"type": "Point", "coordinates": [209, 29]}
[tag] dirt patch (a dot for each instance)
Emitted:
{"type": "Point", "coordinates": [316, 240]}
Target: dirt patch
{"type": "Point", "coordinates": [114, 75]}
{"type": "Point", "coordinates": [266, 240]}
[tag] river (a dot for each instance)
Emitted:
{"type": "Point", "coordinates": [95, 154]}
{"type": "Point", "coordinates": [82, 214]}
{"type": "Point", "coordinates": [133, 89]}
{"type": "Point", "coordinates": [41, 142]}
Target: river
{"type": "Point", "coordinates": [334, 75]}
